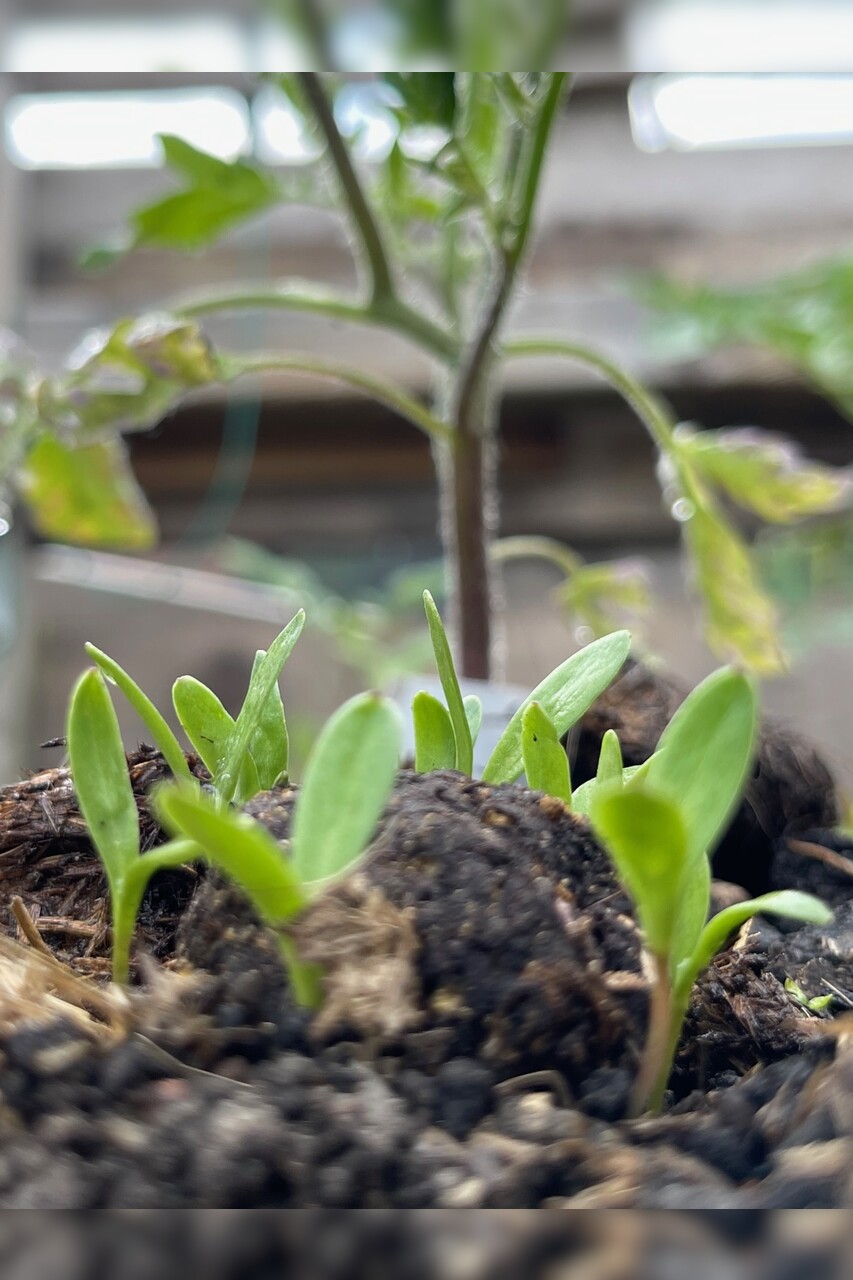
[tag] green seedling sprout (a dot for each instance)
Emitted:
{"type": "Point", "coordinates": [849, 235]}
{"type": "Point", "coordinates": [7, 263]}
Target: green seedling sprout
{"type": "Point", "coordinates": [102, 783]}
{"type": "Point", "coordinates": [243, 756]}
{"type": "Point", "coordinates": [348, 779]}
{"type": "Point", "coordinates": [660, 829]}
{"type": "Point", "coordinates": [164, 739]}
{"type": "Point", "coordinates": [426, 719]}
{"type": "Point", "coordinates": [546, 765]}
{"type": "Point", "coordinates": [564, 696]}
{"type": "Point", "coordinates": [814, 1004]}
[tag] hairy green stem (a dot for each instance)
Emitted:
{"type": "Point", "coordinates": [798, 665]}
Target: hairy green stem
{"type": "Point", "coordinates": [363, 220]}
{"type": "Point", "coordinates": [538, 548]}
{"type": "Point", "coordinates": [651, 410]}
{"type": "Point", "coordinates": [407, 406]}
{"type": "Point", "coordinates": [390, 312]}
{"type": "Point", "coordinates": [472, 501]}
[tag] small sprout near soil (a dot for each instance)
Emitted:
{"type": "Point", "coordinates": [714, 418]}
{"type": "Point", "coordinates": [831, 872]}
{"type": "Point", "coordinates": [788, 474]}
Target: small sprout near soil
{"type": "Point", "coordinates": [546, 765]}
{"type": "Point", "coordinates": [814, 1004]}
{"type": "Point", "coordinates": [348, 780]}
{"type": "Point", "coordinates": [102, 782]}
{"type": "Point", "coordinates": [243, 756]}
{"type": "Point", "coordinates": [445, 735]}
{"type": "Point", "coordinates": [659, 830]}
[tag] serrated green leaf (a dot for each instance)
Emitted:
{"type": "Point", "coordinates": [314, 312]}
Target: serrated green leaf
{"type": "Point", "coordinates": [164, 739]}
{"type": "Point", "coordinates": [546, 764]}
{"type": "Point", "coordinates": [88, 496]}
{"type": "Point", "coordinates": [646, 838]}
{"type": "Point", "coordinates": [450, 685]}
{"type": "Point", "coordinates": [348, 779]}
{"type": "Point", "coordinates": [100, 776]}
{"type": "Point", "coordinates": [209, 728]}
{"type": "Point", "coordinates": [220, 194]}
{"type": "Point", "coordinates": [435, 744]}
{"type": "Point", "coordinates": [790, 903]}
{"type": "Point", "coordinates": [265, 675]}
{"type": "Point", "coordinates": [565, 695]}
{"type": "Point", "coordinates": [765, 473]}
{"type": "Point", "coordinates": [269, 744]}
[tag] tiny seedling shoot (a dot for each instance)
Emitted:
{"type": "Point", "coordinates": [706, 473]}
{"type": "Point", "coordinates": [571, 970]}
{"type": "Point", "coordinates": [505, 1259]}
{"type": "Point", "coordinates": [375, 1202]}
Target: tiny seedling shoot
{"type": "Point", "coordinates": [660, 827]}
{"type": "Point", "coordinates": [445, 735]}
{"type": "Point", "coordinates": [348, 779]}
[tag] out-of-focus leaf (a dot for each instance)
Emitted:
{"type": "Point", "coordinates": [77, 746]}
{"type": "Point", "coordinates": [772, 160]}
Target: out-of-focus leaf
{"type": "Point", "coordinates": [428, 97]}
{"type": "Point", "coordinates": [740, 620]}
{"type": "Point", "coordinates": [88, 495]}
{"type": "Point", "coordinates": [805, 316]}
{"type": "Point", "coordinates": [765, 473]}
{"type": "Point", "coordinates": [603, 596]}
{"type": "Point", "coordinates": [219, 194]}
{"type": "Point", "coordinates": [127, 378]}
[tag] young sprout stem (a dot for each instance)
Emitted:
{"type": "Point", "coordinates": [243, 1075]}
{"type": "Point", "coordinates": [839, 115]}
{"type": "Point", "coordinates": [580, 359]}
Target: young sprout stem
{"type": "Point", "coordinates": [650, 1083]}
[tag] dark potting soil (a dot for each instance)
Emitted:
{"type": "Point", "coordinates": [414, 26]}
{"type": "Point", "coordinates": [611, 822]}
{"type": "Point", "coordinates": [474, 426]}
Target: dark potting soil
{"type": "Point", "coordinates": [485, 1008]}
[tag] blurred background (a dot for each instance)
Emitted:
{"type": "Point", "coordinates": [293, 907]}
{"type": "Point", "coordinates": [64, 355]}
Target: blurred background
{"type": "Point", "coordinates": [298, 492]}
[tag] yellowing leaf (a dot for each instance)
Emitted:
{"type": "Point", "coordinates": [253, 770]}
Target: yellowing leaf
{"type": "Point", "coordinates": [740, 619]}
{"type": "Point", "coordinates": [88, 496]}
{"type": "Point", "coordinates": [764, 473]}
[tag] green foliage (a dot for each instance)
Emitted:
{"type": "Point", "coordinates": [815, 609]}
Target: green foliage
{"type": "Point", "coordinates": [269, 745]}
{"type": "Point", "coordinates": [435, 742]}
{"type": "Point", "coordinates": [164, 740]}
{"type": "Point", "coordinates": [255, 709]}
{"type": "Point", "coordinates": [244, 755]}
{"type": "Point", "coordinates": [348, 779]}
{"type": "Point", "coordinates": [564, 695]}
{"type": "Point", "coordinates": [347, 782]}
{"type": "Point", "coordinates": [814, 1004]}
{"type": "Point", "coordinates": [102, 784]}
{"type": "Point", "coordinates": [87, 495]}
{"type": "Point", "coordinates": [659, 830]}
{"type": "Point", "coordinates": [546, 765]}
{"type": "Point", "coordinates": [741, 621]}
{"type": "Point", "coordinates": [464, 753]}
{"type": "Point", "coordinates": [209, 728]}
{"type": "Point", "coordinates": [804, 316]}
{"type": "Point", "coordinates": [610, 768]}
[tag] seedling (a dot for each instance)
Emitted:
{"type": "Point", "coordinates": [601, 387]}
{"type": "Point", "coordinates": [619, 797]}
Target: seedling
{"type": "Point", "coordinates": [445, 735]}
{"type": "Point", "coordinates": [102, 783]}
{"type": "Point", "coordinates": [660, 829]}
{"type": "Point", "coordinates": [243, 756]}
{"type": "Point", "coordinates": [813, 1004]}
{"type": "Point", "coordinates": [348, 779]}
